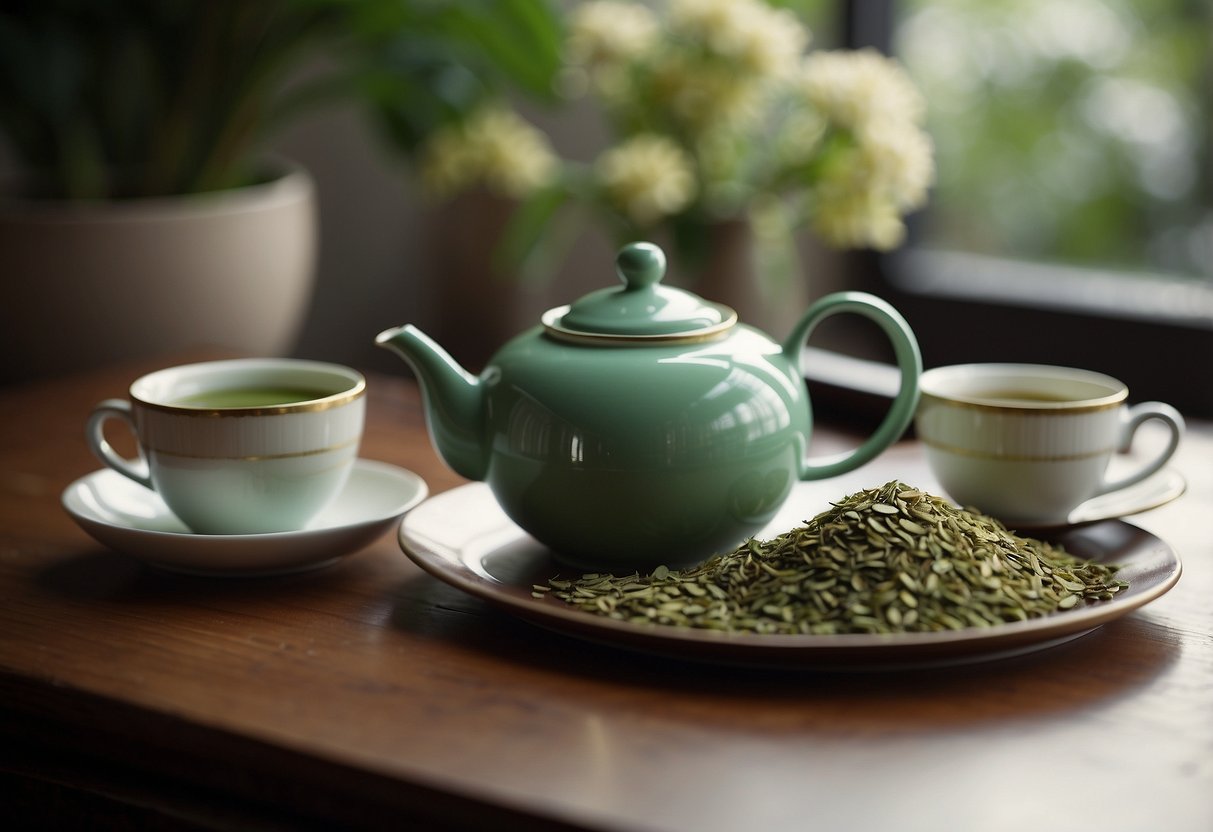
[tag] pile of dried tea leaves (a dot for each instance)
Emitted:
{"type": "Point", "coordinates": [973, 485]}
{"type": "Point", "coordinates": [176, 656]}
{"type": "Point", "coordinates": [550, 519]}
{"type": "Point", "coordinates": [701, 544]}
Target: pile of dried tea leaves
{"type": "Point", "coordinates": [892, 559]}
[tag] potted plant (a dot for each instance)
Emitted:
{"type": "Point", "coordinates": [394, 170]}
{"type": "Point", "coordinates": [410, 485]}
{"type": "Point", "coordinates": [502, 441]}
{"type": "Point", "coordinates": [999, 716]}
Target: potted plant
{"type": "Point", "coordinates": [147, 215]}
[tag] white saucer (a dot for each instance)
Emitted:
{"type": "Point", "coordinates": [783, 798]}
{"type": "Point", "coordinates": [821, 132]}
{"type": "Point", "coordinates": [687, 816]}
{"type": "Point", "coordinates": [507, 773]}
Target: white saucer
{"type": "Point", "coordinates": [1151, 493]}
{"type": "Point", "coordinates": [1158, 490]}
{"type": "Point", "coordinates": [128, 517]}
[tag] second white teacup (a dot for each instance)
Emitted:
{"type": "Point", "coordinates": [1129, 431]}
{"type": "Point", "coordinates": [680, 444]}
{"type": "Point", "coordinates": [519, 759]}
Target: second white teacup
{"type": "Point", "coordinates": [246, 446]}
{"type": "Point", "coordinates": [1029, 443]}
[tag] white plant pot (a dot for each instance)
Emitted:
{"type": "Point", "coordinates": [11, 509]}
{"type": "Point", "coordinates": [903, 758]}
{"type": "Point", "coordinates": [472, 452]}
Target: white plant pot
{"type": "Point", "coordinates": [83, 284]}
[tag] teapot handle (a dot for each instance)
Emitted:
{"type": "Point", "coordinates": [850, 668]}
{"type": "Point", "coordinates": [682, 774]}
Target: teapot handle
{"type": "Point", "coordinates": [909, 361]}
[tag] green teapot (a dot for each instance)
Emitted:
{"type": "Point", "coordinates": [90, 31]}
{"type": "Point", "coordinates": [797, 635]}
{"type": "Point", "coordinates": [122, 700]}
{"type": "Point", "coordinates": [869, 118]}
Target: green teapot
{"type": "Point", "coordinates": [642, 425]}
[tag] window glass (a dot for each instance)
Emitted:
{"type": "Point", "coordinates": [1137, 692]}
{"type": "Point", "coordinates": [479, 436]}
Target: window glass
{"type": "Point", "coordinates": [1072, 131]}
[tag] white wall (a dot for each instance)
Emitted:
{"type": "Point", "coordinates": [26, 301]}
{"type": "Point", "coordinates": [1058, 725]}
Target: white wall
{"type": "Point", "coordinates": [378, 266]}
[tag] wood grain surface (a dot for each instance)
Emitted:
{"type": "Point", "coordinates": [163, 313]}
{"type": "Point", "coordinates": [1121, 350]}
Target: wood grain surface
{"type": "Point", "coordinates": [369, 694]}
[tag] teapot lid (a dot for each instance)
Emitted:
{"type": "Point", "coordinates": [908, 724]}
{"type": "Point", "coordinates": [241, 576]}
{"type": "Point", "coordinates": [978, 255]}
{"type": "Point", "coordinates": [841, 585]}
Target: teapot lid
{"type": "Point", "coordinates": [642, 309]}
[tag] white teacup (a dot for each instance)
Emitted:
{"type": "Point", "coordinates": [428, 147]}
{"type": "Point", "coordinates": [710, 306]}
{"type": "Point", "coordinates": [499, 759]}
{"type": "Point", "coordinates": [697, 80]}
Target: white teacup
{"type": "Point", "coordinates": [245, 446]}
{"type": "Point", "coordinates": [1029, 443]}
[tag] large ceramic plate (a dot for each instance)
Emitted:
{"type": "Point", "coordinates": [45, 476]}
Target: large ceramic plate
{"type": "Point", "coordinates": [463, 538]}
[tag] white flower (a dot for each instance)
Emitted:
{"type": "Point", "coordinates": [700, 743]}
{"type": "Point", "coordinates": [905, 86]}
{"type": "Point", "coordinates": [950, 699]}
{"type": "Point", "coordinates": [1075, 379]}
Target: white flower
{"type": "Point", "coordinates": [854, 88]}
{"type": "Point", "coordinates": [647, 178]}
{"type": "Point", "coordinates": [797, 138]}
{"type": "Point", "coordinates": [866, 189]}
{"type": "Point", "coordinates": [705, 96]}
{"type": "Point", "coordinates": [610, 32]}
{"type": "Point", "coordinates": [897, 160]}
{"type": "Point", "coordinates": [493, 147]}
{"type": "Point", "coordinates": [890, 167]}
{"type": "Point", "coordinates": [847, 218]}
{"type": "Point", "coordinates": [757, 38]}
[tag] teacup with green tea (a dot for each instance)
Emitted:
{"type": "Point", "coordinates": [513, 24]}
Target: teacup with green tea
{"type": "Point", "coordinates": [251, 397]}
{"type": "Point", "coordinates": [244, 446]}
{"type": "Point", "coordinates": [1029, 443]}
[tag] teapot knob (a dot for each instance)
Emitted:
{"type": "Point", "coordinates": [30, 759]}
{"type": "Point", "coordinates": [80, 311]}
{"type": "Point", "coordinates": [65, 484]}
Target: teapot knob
{"type": "Point", "coordinates": [640, 265]}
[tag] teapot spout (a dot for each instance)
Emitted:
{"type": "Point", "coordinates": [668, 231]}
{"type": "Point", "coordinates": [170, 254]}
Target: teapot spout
{"type": "Point", "coordinates": [451, 396]}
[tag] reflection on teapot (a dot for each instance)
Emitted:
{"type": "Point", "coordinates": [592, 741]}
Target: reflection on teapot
{"type": "Point", "coordinates": [642, 425]}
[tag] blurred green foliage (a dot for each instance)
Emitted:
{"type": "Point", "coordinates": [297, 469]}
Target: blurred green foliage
{"type": "Point", "coordinates": [422, 64]}
{"type": "Point", "coordinates": [124, 98]}
{"type": "Point", "coordinates": [1071, 130]}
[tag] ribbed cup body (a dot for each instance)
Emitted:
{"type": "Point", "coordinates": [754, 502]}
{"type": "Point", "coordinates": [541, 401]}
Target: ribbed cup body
{"type": "Point", "coordinates": [246, 470]}
{"type": "Point", "coordinates": [1021, 442]}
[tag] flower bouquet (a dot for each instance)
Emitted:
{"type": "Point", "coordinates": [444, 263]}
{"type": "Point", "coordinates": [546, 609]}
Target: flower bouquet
{"type": "Point", "coordinates": [716, 112]}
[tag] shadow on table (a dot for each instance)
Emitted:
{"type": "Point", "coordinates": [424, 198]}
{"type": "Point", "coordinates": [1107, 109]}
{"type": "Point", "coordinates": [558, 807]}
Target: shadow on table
{"type": "Point", "coordinates": [1097, 668]}
{"type": "Point", "coordinates": [1091, 671]}
{"type": "Point", "coordinates": [102, 575]}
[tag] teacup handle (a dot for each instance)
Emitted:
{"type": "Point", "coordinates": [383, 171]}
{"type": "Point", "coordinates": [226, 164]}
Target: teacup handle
{"type": "Point", "coordinates": [1131, 419]}
{"type": "Point", "coordinates": [94, 433]}
{"type": "Point", "coordinates": [909, 361]}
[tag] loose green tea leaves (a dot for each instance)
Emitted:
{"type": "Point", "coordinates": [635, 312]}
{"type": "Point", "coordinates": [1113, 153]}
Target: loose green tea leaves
{"type": "Point", "coordinates": [887, 560]}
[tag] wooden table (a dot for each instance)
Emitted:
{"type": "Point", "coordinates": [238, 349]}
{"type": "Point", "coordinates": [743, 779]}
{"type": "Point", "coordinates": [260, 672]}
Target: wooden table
{"type": "Point", "coordinates": [370, 694]}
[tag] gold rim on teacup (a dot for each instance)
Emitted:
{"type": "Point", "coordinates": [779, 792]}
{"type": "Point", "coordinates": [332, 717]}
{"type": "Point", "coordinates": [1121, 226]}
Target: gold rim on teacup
{"type": "Point", "coordinates": [310, 405]}
{"type": "Point", "coordinates": [962, 394]}
{"type": "Point", "coordinates": [353, 386]}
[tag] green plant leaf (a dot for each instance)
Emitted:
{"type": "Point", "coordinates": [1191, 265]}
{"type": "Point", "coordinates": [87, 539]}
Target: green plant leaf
{"type": "Point", "coordinates": [521, 248]}
{"type": "Point", "coordinates": [517, 38]}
